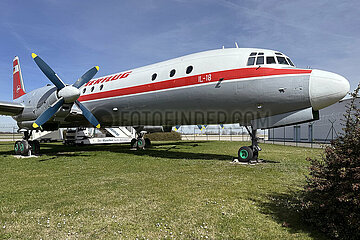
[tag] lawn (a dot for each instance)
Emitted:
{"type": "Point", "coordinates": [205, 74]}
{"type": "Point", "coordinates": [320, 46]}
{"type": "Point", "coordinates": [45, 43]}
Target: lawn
{"type": "Point", "coordinates": [180, 190]}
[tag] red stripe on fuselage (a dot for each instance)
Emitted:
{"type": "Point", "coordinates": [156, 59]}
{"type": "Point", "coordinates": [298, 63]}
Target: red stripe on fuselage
{"type": "Point", "coordinates": [193, 80]}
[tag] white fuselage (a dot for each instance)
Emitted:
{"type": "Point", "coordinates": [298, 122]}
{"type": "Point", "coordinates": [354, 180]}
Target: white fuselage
{"type": "Point", "coordinates": [209, 87]}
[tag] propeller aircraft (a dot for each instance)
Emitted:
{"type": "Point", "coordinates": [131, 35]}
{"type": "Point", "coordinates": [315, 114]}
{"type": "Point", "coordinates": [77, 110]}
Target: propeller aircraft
{"type": "Point", "coordinates": [257, 88]}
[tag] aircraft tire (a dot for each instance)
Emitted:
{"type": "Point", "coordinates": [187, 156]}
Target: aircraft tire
{"type": "Point", "coordinates": [133, 143]}
{"type": "Point", "coordinates": [17, 148]}
{"type": "Point", "coordinates": [255, 155]}
{"type": "Point", "coordinates": [24, 148]}
{"type": "Point", "coordinates": [35, 147]}
{"type": "Point", "coordinates": [140, 143]}
{"type": "Point", "coordinates": [245, 154]}
{"type": "Point", "coordinates": [147, 142]}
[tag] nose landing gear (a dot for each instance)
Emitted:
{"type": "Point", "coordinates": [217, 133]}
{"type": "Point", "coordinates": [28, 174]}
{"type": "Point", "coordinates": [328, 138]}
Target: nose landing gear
{"type": "Point", "coordinates": [248, 153]}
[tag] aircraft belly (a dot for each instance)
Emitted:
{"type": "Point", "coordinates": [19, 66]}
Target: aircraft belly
{"type": "Point", "coordinates": [231, 101]}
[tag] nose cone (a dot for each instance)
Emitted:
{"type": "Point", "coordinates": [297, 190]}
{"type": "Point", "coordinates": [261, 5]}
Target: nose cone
{"type": "Point", "coordinates": [326, 88]}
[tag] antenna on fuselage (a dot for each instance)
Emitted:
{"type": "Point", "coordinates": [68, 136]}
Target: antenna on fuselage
{"type": "Point", "coordinates": [236, 45]}
{"type": "Point", "coordinates": [223, 47]}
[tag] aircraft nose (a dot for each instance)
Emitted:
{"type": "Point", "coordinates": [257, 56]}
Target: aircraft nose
{"type": "Point", "coordinates": [326, 88]}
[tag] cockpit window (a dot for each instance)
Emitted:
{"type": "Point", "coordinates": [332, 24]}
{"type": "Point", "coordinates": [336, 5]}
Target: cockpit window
{"type": "Point", "coordinates": [253, 54]}
{"type": "Point", "coordinates": [282, 60]}
{"type": "Point", "coordinates": [260, 60]}
{"type": "Point", "coordinates": [291, 63]}
{"type": "Point", "coordinates": [260, 53]}
{"type": "Point", "coordinates": [270, 60]}
{"type": "Point", "coordinates": [277, 53]}
{"type": "Point", "coordinates": [251, 61]}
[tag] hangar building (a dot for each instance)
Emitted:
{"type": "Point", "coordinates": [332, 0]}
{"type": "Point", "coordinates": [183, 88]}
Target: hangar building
{"type": "Point", "coordinates": [327, 128]}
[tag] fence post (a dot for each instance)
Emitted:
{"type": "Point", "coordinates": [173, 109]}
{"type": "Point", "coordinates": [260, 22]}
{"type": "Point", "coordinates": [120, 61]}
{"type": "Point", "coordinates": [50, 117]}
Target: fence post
{"type": "Point", "coordinates": [219, 133]}
{"type": "Point", "coordinates": [273, 135]}
{"type": "Point", "coordinates": [284, 135]}
{"type": "Point", "coordinates": [194, 133]}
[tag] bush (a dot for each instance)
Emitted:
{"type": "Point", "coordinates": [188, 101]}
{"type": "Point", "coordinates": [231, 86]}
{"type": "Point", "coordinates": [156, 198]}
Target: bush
{"type": "Point", "coordinates": [332, 195]}
{"type": "Point", "coordinates": [164, 136]}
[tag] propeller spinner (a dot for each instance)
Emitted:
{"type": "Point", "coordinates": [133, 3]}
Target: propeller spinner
{"type": "Point", "coordinates": [67, 94]}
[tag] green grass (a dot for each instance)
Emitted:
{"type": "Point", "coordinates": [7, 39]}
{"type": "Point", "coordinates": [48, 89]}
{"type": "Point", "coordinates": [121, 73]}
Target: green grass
{"type": "Point", "coordinates": [182, 190]}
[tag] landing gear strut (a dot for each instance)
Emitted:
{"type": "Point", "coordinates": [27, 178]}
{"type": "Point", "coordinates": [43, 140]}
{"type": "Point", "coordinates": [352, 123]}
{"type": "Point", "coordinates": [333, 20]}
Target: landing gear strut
{"type": "Point", "coordinates": [140, 142]}
{"type": "Point", "coordinates": [26, 147]}
{"type": "Point", "coordinates": [247, 153]}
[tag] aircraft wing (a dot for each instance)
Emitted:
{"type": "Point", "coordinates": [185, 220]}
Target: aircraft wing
{"type": "Point", "coordinates": [10, 108]}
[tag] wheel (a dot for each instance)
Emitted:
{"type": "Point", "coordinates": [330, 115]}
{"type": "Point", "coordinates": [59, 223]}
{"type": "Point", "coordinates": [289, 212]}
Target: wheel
{"type": "Point", "coordinates": [147, 142]}
{"type": "Point", "coordinates": [24, 147]}
{"type": "Point", "coordinates": [245, 154]}
{"type": "Point", "coordinates": [35, 147]}
{"type": "Point", "coordinates": [17, 148]}
{"type": "Point", "coordinates": [133, 143]}
{"type": "Point", "coordinates": [140, 143]}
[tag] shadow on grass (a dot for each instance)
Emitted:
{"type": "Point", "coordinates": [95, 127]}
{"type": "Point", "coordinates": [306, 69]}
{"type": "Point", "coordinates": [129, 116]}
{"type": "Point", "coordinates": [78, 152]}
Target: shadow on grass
{"type": "Point", "coordinates": [286, 210]}
{"type": "Point", "coordinates": [159, 150]}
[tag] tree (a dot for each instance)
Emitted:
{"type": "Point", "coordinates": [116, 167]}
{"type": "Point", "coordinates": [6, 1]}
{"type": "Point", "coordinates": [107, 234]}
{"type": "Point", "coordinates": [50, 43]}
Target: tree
{"type": "Point", "coordinates": [332, 194]}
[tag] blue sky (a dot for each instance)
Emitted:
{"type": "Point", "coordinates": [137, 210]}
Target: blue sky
{"type": "Point", "coordinates": [73, 36]}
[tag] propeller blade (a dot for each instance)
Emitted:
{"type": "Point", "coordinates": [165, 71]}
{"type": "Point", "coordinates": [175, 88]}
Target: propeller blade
{"type": "Point", "coordinates": [88, 115]}
{"type": "Point", "coordinates": [45, 116]}
{"type": "Point", "coordinates": [86, 77]}
{"type": "Point", "coordinates": [51, 75]}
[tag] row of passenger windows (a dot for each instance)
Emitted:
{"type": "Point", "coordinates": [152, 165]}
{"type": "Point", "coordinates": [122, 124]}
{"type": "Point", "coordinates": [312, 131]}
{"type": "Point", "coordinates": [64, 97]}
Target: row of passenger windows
{"type": "Point", "coordinates": [189, 69]}
{"type": "Point", "coordinates": [93, 88]}
{"type": "Point", "coordinates": [260, 59]}
{"type": "Point", "coordinates": [173, 71]}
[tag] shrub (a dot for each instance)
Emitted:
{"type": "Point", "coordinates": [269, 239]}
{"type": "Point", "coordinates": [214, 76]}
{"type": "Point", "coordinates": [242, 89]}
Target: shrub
{"type": "Point", "coordinates": [332, 194]}
{"type": "Point", "coordinates": [164, 136]}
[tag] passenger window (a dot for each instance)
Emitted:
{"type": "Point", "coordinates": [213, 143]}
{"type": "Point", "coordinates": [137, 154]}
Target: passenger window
{"type": "Point", "coordinates": [260, 60]}
{"type": "Point", "coordinates": [92, 89]}
{"type": "Point", "coordinates": [153, 77]}
{"type": "Point", "coordinates": [251, 61]}
{"type": "Point", "coordinates": [101, 87]}
{"type": "Point", "coordinates": [282, 60]}
{"type": "Point", "coordinates": [84, 90]}
{"type": "Point", "coordinates": [291, 63]}
{"type": "Point", "coordinates": [253, 54]}
{"type": "Point", "coordinates": [172, 72]}
{"type": "Point", "coordinates": [189, 69]}
{"type": "Point", "coordinates": [270, 60]}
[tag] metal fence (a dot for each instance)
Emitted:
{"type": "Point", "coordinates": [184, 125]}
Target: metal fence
{"type": "Point", "coordinates": [214, 133]}
{"type": "Point", "coordinates": [210, 133]}
{"type": "Point", "coordinates": [9, 133]}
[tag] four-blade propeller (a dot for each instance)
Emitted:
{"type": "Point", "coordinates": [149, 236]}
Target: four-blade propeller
{"type": "Point", "coordinates": [66, 93]}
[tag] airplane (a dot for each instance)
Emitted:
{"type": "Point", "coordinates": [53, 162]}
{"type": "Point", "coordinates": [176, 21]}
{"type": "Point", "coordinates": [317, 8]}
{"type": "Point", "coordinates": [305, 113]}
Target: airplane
{"type": "Point", "coordinates": [256, 88]}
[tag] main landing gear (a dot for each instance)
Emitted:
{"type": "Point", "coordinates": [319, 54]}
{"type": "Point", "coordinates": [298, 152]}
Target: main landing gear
{"type": "Point", "coordinates": [247, 153]}
{"type": "Point", "coordinates": [140, 142]}
{"type": "Point", "coordinates": [26, 147]}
